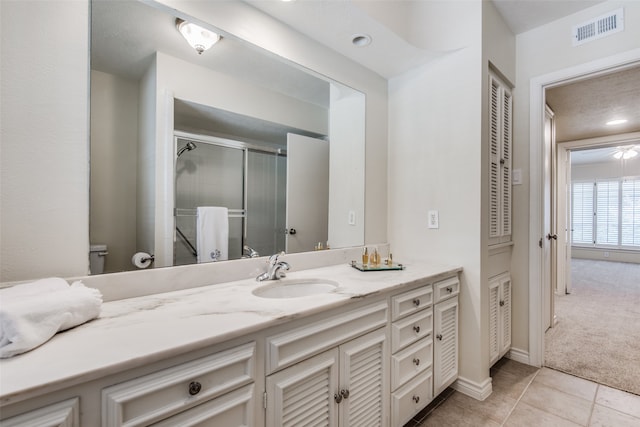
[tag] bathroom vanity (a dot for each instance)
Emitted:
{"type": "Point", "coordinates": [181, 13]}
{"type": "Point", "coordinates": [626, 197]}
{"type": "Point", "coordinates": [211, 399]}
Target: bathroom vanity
{"type": "Point", "coordinates": [373, 351]}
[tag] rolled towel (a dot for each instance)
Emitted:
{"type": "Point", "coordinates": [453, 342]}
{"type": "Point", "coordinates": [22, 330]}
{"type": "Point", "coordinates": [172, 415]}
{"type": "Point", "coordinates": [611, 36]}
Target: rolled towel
{"type": "Point", "coordinates": [29, 319]}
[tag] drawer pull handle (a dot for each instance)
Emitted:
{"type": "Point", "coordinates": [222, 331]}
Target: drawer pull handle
{"type": "Point", "coordinates": [416, 361]}
{"type": "Point", "coordinates": [417, 329]}
{"type": "Point", "coordinates": [449, 289]}
{"type": "Point", "coordinates": [416, 302]}
{"type": "Point", "coordinates": [344, 393]}
{"type": "Point", "coordinates": [194, 388]}
{"type": "Point", "coordinates": [439, 336]}
{"type": "Point", "coordinates": [337, 397]}
{"type": "Point", "coordinates": [416, 399]}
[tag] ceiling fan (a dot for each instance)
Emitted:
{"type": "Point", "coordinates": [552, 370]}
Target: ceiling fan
{"type": "Point", "coordinates": [626, 153]}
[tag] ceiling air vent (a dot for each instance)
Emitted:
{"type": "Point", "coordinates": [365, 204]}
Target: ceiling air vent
{"type": "Point", "coordinates": [599, 27]}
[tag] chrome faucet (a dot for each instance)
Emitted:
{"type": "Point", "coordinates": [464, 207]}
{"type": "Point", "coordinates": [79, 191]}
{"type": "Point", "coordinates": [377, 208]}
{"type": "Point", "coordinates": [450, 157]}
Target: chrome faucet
{"type": "Point", "coordinates": [275, 269]}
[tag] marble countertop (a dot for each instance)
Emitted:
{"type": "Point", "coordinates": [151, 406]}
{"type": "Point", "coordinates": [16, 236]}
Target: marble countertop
{"type": "Point", "coordinates": [137, 331]}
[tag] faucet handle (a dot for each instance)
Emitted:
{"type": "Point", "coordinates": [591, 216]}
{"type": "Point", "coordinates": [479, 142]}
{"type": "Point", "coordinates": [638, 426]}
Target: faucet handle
{"type": "Point", "coordinates": [274, 258]}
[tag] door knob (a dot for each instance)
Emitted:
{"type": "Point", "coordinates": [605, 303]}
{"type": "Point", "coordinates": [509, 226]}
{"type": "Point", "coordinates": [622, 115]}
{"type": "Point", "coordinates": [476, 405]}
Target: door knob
{"type": "Point", "coordinates": [552, 236]}
{"type": "Point", "coordinates": [291, 231]}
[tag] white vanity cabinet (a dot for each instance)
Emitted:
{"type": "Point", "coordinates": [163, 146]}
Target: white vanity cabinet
{"type": "Point", "coordinates": [62, 414]}
{"type": "Point", "coordinates": [412, 353]}
{"type": "Point", "coordinates": [499, 316]}
{"type": "Point", "coordinates": [217, 390]}
{"type": "Point", "coordinates": [346, 384]}
{"type": "Point", "coordinates": [445, 333]}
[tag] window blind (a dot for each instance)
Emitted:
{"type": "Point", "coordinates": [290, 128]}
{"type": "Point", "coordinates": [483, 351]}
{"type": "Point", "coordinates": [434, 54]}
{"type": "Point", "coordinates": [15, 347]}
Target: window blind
{"type": "Point", "coordinates": [607, 212]}
{"type": "Point", "coordinates": [630, 212]}
{"type": "Point", "coordinates": [582, 217]}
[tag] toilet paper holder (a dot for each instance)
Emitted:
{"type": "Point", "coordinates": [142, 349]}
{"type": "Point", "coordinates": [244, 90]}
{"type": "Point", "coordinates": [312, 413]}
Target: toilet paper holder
{"type": "Point", "coordinates": [142, 259]}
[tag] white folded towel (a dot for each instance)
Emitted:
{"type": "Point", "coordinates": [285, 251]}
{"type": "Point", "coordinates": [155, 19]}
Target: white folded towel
{"type": "Point", "coordinates": [212, 234]}
{"type": "Point", "coordinates": [32, 313]}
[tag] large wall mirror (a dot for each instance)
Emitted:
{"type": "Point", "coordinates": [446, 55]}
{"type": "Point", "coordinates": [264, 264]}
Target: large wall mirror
{"type": "Point", "coordinates": [270, 153]}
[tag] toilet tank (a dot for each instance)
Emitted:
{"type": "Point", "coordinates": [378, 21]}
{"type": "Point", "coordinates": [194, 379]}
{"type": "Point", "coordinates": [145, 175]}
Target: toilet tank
{"type": "Point", "coordinates": [97, 254]}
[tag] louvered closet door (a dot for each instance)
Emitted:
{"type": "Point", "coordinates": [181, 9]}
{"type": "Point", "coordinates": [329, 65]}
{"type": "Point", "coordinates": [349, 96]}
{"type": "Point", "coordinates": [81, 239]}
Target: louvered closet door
{"type": "Point", "coordinates": [494, 157]}
{"type": "Point", "coordinates": [500, 157]}
{"type": "Point", "coordinates": [303, 394]}
{"type": "Point", "coordinates": [364, 377]}
{"type": "Point", "coordinates": [505, 306]}
{"type": "Point", "coordinates": [494, 321]}
{"type": "Point", "coordinates": [445, 316]}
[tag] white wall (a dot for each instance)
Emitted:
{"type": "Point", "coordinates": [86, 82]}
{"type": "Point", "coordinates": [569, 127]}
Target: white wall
{"type": "Point", "coordinates": [435, 152]}
{"type": "Point", "coordinates": [44, 189]}
{"type": "Point", "coordinates": [542, 51]}
{"type": "Point", "coordinates": [114, 148]}
{"type": "Point", "coordinates": [346, 176]}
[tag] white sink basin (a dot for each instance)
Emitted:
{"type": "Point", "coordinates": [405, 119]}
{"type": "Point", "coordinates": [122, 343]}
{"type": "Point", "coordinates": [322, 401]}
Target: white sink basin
{"type": "Point", "coordinates": [295, 288]}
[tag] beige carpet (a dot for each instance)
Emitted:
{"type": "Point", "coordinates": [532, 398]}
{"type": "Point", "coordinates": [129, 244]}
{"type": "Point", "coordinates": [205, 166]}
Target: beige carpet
{"type": "Point", "coordinates": [597, 335]}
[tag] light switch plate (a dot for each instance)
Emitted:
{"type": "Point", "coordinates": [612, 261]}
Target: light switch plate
{"type": "Point", "coordinates": [517, 177]}
{"type": "Point", "coordinates": [352, 217]}
{"type": "Point", "coordinates": [433, 219]}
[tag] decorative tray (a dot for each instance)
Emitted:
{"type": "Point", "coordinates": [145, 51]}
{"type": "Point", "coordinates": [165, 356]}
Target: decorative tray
{"type": "Point", "coordinates": [381, 267]}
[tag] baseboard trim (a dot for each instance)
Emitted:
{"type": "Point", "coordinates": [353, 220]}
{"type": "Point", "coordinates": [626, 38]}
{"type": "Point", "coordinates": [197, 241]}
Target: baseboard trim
{"type": "Point", "coordinates": [479, 391]}
{"type": "Point", "coordinates": [519, 355]}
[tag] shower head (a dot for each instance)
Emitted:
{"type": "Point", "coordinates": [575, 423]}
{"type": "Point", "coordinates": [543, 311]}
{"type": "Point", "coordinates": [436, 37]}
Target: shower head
{"type": "Point", "coordinates": [188, 147]}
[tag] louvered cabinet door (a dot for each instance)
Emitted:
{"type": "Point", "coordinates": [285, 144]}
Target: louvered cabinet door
{"type": "Point", "coordinates": [303, 394]}
{"type": "Point", "coordinates": [445, 332]}
{"type": "Point", "coordinates": [505, 314]}
{"type": "Point", "coordinates": [495, 345]}
{"type": "Point", "coordinates": [364, 381]}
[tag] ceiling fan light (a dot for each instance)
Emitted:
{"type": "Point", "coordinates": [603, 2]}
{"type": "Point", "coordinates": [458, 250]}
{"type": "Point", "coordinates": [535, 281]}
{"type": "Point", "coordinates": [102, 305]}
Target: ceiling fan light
{"type": "Point", "coordinates": [198, 38]}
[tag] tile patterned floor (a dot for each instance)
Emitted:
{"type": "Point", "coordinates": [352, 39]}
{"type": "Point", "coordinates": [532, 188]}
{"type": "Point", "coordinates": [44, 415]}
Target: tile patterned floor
{"type": "Point", "coordinates": [526, 396]}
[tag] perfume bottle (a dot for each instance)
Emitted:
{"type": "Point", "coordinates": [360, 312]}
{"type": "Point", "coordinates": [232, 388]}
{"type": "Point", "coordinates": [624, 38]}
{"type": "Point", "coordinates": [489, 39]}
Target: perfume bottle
{"type": "Point", "coordinates": [365, 257]}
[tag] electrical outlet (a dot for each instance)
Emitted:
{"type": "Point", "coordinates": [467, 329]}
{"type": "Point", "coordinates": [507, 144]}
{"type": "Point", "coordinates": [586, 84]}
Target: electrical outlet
{"type": "Point", "coordinates": [352, 218]}
{"type": "Point", "coordinates": [433, 219]}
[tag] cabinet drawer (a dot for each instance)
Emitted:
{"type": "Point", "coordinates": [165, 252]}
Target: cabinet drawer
{"type": "Point", "coordinates": [411, 329]}
{"type": "Point", "coordinates": [446, 288]}
{"type": "Point", "coordinates": [411, 361]}
{"type": "Point", "coordinates": [410, 399]}
{"type": "Point", "coordinates": [164, 393]}
{"type": "Point", "coordinates": [411, 301]}
{"type": "Point", "coordinates": [231, 409]}
{"type": "Point", "coordinates": [301, 343]}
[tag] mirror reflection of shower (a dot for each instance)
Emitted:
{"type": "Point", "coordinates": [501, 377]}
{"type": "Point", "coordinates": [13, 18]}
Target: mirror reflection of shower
{"type": "Point", "coordinates": [188, 147]}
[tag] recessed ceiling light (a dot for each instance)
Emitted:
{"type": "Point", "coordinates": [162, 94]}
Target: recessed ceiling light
{"type": "Point", "coordinates": [199, 38]}
{"type": "Point", "coordinates": [361, 40]}
{"type": "Point", "coordinates": [616, 122]}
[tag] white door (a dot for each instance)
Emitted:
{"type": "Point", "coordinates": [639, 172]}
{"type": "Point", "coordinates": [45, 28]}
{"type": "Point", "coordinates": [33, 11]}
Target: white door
{"type": "Point", "coordinates": [445, 344]}
{"type": "Point", "coordinates": [547, 241]}
{"type": "Point", "coordinates": [563, 192]}
{"type": "Point", "coordinates": [307, 193]}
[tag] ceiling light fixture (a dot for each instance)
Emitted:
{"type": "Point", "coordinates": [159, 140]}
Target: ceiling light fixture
{"type": "Point", "coordinates": [361, 40]}
{"type": "Point", "coordinates": [625, 153]}
{"type": "Point", "coordinates": [616, 122]}
{"type": "Point", "coordinates": [199, 38]}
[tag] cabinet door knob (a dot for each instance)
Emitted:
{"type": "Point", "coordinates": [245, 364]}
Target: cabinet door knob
{"type": "Point", "coordinates": [416, 399]}
{"type": "Point", "coordinates": [417, 329]}
{"type": "Point", "coordinates": [416, 302]}
{"type": "Point", "coordinates": [194, 388]}
{"type": "Point", "coordinates": [439, 336]}
{"type": "Point", "coordinates": [344, 393]}
{"type": "Point", "coordinates": [337, 397]}
{"type": "Point", "coordinates": [416, 361]}
{"type": "Point", "coordinates": [449, 289]}
{"type": "Point", "coordinates": [502, 303]}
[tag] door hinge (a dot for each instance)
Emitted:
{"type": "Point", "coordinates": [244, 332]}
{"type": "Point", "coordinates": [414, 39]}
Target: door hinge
{"type": "Point", "coordinates": [264, 400]}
